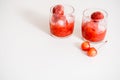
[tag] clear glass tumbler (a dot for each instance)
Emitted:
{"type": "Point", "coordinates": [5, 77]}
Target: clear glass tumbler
{"type": "Point", "coordinates": [61, 20]}
{"type": "Point", "coordinates": [94, 25]}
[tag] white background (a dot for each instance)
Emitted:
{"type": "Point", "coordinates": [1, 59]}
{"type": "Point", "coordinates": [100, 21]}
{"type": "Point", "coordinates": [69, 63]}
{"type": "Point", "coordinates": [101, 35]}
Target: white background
{"type": "Point", "coordinates": [28, 52]}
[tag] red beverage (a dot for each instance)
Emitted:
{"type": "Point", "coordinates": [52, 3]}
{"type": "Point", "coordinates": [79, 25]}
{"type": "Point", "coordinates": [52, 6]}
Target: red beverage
{"type": "Point", "coordinates": [61, 31]}
{"type": "Point", "coordinates": [61, 27]}
{"type": "Point", "coordinates": [92, 32]}
{"type": "Point", "coordinates": [61, 22]}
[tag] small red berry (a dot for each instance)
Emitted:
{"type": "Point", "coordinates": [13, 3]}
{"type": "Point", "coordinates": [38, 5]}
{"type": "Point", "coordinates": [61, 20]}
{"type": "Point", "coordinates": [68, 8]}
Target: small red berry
{"type": "Point", "coordinates": [58, 9]}
{"type": "Point", "coordinates": [97, 16]}
{"type": "Point", "coordinates": [92, 52]}
{"type": "Point", "coordinates": [85, 46]}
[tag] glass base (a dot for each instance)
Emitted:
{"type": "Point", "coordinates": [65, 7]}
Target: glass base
{"type": "Point", "coordinates": [97, 44]}
{"type": "Point", "coordinates": [59, 36]}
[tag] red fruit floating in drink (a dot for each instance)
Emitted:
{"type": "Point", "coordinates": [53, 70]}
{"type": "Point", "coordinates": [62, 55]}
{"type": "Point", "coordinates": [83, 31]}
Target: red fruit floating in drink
{"type": "Point", "coordinates": [58, 9]}
{"type": "Point", "coordinates": [97, 16]}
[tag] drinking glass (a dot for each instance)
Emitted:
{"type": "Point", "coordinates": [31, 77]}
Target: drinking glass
{"type": "Point", "coordinates": [94, 25]}
{"type": "Point", "coordinates": [61, 20]}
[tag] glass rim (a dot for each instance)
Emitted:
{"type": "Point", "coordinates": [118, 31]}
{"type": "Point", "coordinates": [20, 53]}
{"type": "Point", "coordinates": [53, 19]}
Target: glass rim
{"type": "Point", "coordinates": [95, 9]}
{"type": "Point", "coordinates": [64, 5]}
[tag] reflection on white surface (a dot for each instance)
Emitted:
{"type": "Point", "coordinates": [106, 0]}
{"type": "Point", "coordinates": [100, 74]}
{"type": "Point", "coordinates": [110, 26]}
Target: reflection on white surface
{"type": "Point", "coordinates": [28, 52]}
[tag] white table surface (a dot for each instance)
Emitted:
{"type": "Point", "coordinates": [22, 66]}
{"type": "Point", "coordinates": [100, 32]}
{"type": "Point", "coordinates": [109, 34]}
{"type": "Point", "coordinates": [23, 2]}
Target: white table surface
{"type": "Point", "coordinates": [28, 52]}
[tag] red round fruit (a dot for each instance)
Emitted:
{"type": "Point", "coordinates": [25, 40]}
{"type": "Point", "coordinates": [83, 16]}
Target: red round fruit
{"type": "Point", "coordinates": [58, 9]}
{"type": "Point", "coordinates": [97, 16]}
{"type": "Point", "coordinates": [92, 52]}
{"type": "Point", "coordinates": [85, 46]}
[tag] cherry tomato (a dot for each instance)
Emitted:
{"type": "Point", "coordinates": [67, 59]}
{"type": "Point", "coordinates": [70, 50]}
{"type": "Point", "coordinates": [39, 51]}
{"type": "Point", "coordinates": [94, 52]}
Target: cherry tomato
{"type": "Point", "coordinates": [85, 46]}
{"type": "Point", "coordinates": [58, 9]}
{"type": "Point", "coordinates": [92, 52]}
{"type": "Point", "coordinates": [97, 16]}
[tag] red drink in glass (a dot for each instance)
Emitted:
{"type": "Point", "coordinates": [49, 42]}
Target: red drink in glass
{"type": "Point", "coordinates": [61, 22]}
{"type": "Point", "coordinates": [94, 25]}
